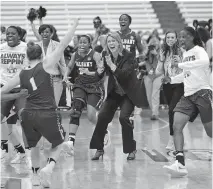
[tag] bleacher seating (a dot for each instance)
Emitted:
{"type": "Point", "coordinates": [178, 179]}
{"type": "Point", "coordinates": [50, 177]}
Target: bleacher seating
{"type": "Point", "coordinates": [191, 10]}
{"type": "Point", "coordinates": [60, 14]}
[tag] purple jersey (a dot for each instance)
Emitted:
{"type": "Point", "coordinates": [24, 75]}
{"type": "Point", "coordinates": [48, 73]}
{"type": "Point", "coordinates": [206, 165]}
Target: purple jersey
{"type": "Point", "coordinates": [40, 88]}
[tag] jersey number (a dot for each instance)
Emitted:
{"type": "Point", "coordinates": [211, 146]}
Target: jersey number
{"type": "Point", "coordinates": [127, 47]}
{"type": "Point", "coordinates": [32, 82]}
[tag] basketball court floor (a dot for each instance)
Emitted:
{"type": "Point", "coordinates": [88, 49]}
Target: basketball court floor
{"type": "Point", "coordinates": [114, 171]}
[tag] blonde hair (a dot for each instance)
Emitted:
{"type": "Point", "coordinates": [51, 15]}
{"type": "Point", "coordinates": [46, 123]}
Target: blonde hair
{"type": "Point", "coordinates": [117, 37]}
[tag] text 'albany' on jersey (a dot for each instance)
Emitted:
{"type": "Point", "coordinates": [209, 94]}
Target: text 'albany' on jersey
{"type": "Point", "coordinates": [129, 41]}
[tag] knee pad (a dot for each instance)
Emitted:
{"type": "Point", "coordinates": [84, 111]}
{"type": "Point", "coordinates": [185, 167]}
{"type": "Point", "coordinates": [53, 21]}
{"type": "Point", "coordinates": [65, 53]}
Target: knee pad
{"type": "Point", "coordinates": [76, 109]}
{"type": "Point", "coordinates": [74, 120]}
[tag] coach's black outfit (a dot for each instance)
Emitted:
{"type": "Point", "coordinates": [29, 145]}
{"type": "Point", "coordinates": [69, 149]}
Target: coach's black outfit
{"type": "Point", "coordinates": [123, 90]}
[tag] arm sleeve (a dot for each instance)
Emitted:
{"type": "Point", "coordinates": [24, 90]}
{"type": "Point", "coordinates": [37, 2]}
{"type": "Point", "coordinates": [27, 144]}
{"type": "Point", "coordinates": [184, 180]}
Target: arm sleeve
{"type": "Point", "coordinates": [202, 61]}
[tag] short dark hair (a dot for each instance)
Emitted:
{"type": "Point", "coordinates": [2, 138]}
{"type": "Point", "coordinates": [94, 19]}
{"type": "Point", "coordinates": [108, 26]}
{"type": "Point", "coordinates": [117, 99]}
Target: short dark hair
{"type": "Point", "coordinates": [129, 17]}
{"type": "Point", "coordinates": [34, 51]}
{"type": "Point", "coordinates": [87, 36]}
{"type": "Point", "coordinates": [17, 28]}
{"type": "Point", "coordinates": [44, 27]}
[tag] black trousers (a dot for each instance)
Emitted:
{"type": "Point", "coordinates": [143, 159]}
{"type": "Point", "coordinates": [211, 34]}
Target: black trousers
{"type": "Point", "coordinates": [173, 93]}
{"type": "Point", "coordinates": [106, 115]}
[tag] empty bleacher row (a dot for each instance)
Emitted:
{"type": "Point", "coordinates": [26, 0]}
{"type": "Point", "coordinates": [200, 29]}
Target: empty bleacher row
{"type": "Point", "coordinates": [60, 14]}
{"type": "Point", "coordinates": [195, 10]}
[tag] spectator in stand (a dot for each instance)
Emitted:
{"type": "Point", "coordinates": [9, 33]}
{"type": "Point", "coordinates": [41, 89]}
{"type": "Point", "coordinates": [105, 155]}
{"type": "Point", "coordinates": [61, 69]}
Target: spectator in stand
{"type": "Point", "coordinates": [100, 30]}
{"type": "Point", "coordinates": [154, 34]}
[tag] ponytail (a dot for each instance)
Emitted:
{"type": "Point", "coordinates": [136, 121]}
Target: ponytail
{"type": "Point", "coordinates": [197, 40]}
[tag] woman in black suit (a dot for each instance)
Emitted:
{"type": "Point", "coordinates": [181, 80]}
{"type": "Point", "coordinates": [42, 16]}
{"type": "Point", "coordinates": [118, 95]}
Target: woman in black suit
{"type": "Point", "coordinates": [123, 91]}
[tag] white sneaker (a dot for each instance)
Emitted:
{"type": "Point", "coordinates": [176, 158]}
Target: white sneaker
{"type": "Point", "coordinates": [19, 158]}
{"type": "Point", "coordinates": [45, 175]}
{"type": "Point", "coordinates": [176, 169]}
{"type": "Point", "coordinates": [107, 140]}
{"type": "Point", "coordinates": [170, 145]}
{"type": "Point", "coordinates": [35, 180]}
{"type": "Point", "coordinates": [69, 148]}
{"type": "Point", "coordinates": [177, 183]}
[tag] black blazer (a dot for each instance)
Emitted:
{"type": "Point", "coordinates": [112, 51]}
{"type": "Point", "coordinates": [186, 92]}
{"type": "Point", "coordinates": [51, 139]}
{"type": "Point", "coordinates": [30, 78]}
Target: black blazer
{"type": "Point", "coordinates": [126, 77]}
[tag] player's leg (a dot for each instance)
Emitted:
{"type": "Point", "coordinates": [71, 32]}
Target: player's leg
{"type": "Point", "coordinates": [204, 104]}
{"type": "Point", "coordinates": [79, 101]}
{"type": "Point", "coordinates": [184, 111]}
{"type": "Point", "coordinates": [5, 111]}
{"type": "Point", "coordinates": [32, 137]}
{"type": "Point", "coordinates": [50, 127]}
{"type": "Point", "coordinates": [14, 134]}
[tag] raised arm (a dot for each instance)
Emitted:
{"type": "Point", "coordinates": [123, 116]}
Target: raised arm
{"type": "Point", "coordinates": [54, 57]}
{"type": "Point", "coordinates": [35, 32]}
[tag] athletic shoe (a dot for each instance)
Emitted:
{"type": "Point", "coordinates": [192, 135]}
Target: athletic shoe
{"type": "Point", "coordinates": [69, 148]}
{"type": "Point", "coordinates": [19, 158]}
{"type": "Point", "coordinates": [45, 175]}
{"type": "Point", "coordinates": [177, 183]}
{"type": "Point", "coordinates": [176, 169]}
{"type": "Point", "coordinates": [170, 145]}
{"type": "Point", "coordinates": [107, 140]}
{"type": "Point", "coordinates": [35, 179]}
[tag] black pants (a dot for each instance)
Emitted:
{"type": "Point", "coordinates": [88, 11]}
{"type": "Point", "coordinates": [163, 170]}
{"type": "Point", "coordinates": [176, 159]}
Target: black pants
{"type": "Point", "coordinates": [106, 115]}
{"type": "Point", "coordinates": [173, 93]}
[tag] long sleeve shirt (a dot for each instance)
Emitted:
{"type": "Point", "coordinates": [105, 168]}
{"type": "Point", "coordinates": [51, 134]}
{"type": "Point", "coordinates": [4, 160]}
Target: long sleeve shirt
{"type": "Point", "coordinates": [195, 75]}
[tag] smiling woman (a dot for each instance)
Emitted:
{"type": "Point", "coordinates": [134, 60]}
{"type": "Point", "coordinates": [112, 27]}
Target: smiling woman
{"type": "Point", "coordinates": [48, 45]}
{"type": "Point", "coordinates": [129, 38]}
{"type": "Point", "coordinates": [13, 60]}
{"type": "Point", "coordinates": [88, 86]}
{"type": "Point", "coordinates": [123, 91]}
